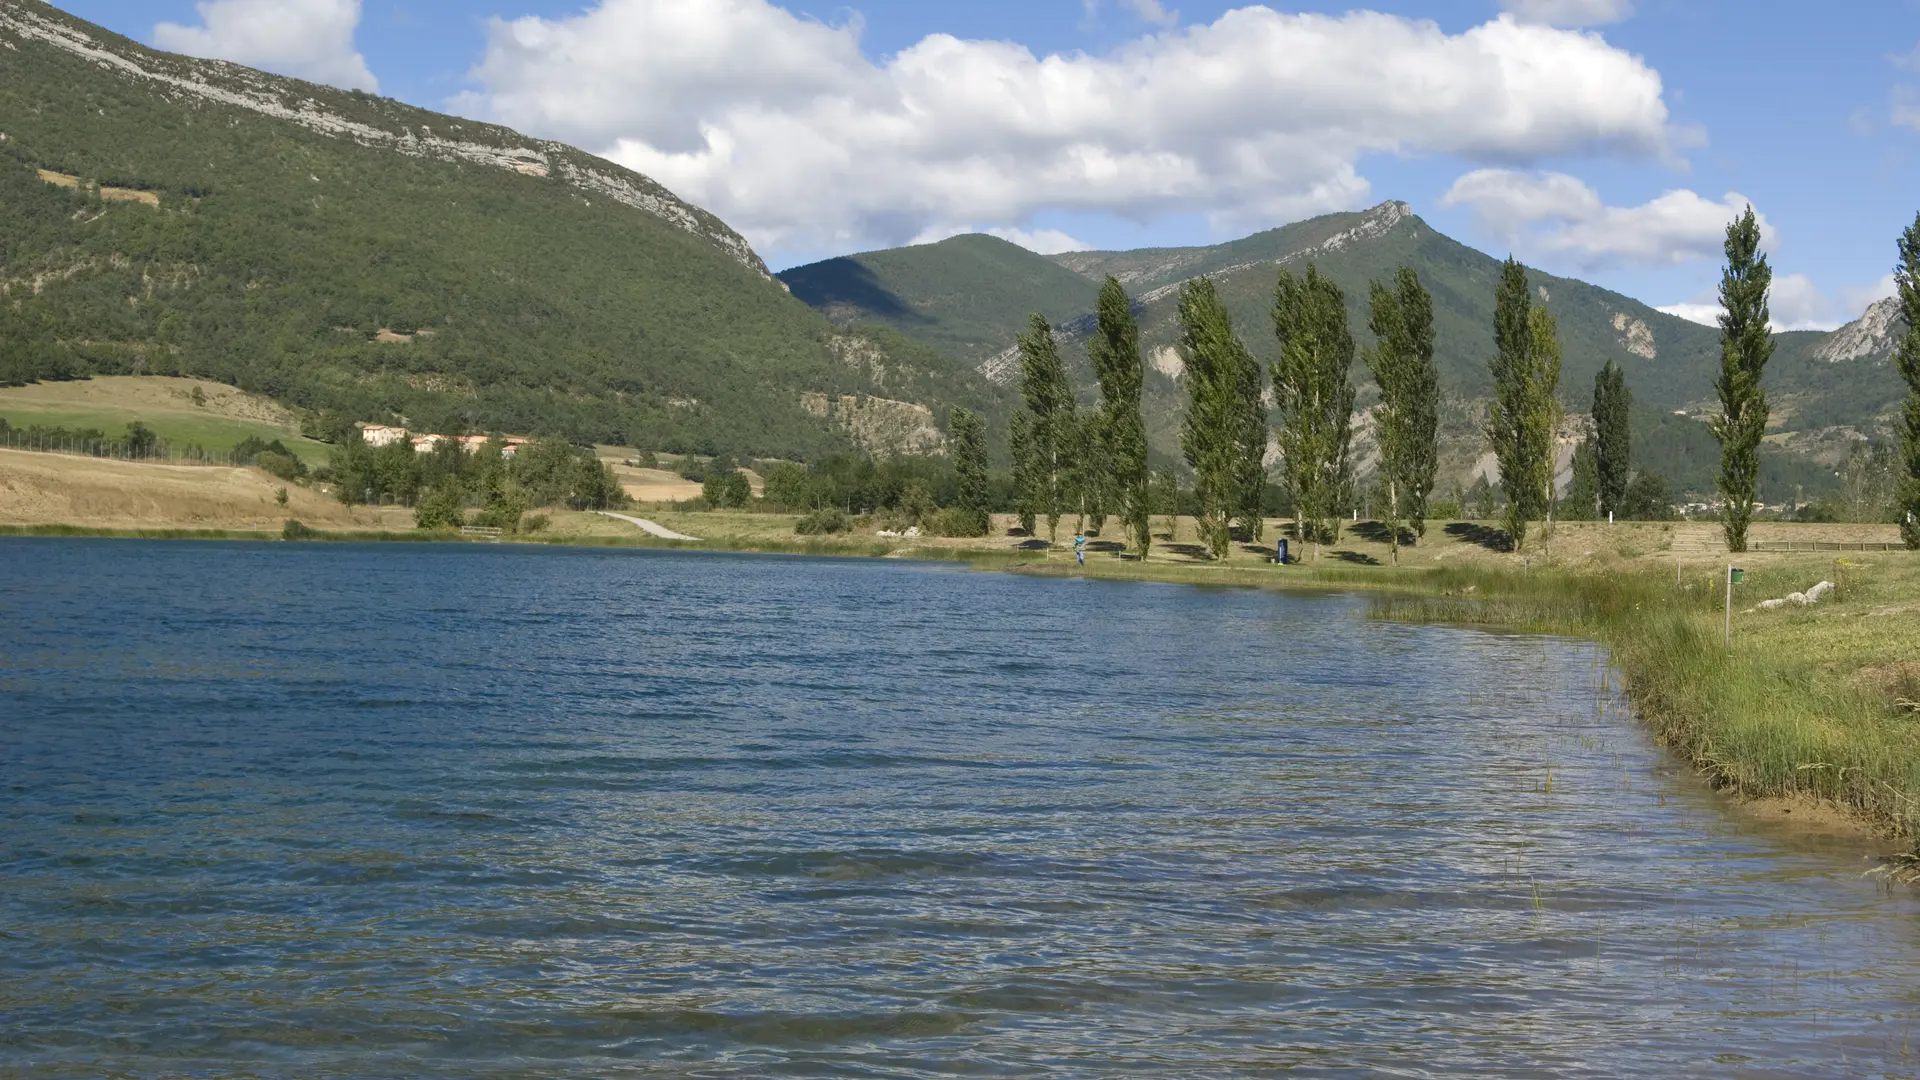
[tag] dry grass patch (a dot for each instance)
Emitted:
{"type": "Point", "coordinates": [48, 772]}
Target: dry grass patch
{"type": "Point", "coordinates": [56, 489]}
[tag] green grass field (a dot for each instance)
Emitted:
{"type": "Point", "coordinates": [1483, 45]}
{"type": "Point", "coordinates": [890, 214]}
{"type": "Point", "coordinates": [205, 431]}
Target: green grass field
{"type": "Point", "coordinates": [217, 434]}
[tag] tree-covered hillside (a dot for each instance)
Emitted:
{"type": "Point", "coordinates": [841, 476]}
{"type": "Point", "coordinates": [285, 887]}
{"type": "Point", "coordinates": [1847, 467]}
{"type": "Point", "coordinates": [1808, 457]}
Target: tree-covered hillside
{"type": "Point", "coordinates": [969, 296]}
{"type": "Point", "coordinates": [1669, 363]}
{"type": "Point", "coordinates": [366, 260]}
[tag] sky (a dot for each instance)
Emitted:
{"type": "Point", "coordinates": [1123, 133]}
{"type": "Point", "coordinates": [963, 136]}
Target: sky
{"type": "Point", "coordinates": [1610, 140]}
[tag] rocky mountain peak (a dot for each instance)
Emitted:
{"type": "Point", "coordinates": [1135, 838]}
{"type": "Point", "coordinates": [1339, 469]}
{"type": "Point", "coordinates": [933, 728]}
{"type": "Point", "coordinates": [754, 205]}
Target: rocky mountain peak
{"type": "Point", "coordinates": [1868, 335]}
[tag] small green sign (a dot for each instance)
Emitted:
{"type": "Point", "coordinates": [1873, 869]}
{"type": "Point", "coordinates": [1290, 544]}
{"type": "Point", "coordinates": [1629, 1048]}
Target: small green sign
{"type": "Point", "coordinates": [1738, 575]}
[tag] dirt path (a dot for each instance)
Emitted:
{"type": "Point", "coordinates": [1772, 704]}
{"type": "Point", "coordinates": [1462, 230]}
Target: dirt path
{"type": "Point", "coordinates": [648, 527]}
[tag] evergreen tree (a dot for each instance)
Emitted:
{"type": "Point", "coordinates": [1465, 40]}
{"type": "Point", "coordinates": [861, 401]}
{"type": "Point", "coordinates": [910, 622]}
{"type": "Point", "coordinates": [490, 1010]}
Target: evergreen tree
{"type": "Point", "coordinates": [1315, 398]}
{"type": "Point", "coordinates": [1053, 429]}
{"type": "Point", "coordinates": [1026, 479]}
{"type": "Point", "coordinates": [1544, 411]}
{"type": "Point", "coordinates": [1408, 420]}
{"type": "Point", "coordinates": [970, 464]}
{"type": "Point", "coordinates": [1611, 446]}
{"type": "Point", "coordinates": [1907, 276]}
{"type": "Point", "coordinates": [1582, 501]}
{"type": "Point", "coordinates": [1524, 415]}
{"type": "Point", "coordinates": [1249, 468]}
{"type": "Point", "coordinates": [1746, 344]}
{"type": "Point", "coordinates": [1089, 477]}
{"type": "Point", "coordinates": [1114, 352]}
{"type": "Point", "coordinates": [1214, 433]}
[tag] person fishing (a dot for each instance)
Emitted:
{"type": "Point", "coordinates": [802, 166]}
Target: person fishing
{"type": "Point", "coordinates": [1080, 549]}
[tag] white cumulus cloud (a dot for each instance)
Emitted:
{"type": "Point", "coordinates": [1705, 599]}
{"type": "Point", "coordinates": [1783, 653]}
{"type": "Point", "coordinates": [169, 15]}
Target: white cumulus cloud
{"type": "Point", "coordinates": [1569, 12]}
{"type": "Point", "coordinates": [1704, 314]}
{"type": "Point", "coordinates": [307, 39]}
{"type": "Point", "coordinates": [1795, 303]}
{"type": "Point", "coordinates": [784, 127]}
{"type": "Point", "coordinates": [1558, 217]}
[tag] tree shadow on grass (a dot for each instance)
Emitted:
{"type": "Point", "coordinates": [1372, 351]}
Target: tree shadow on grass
{"type": "Point", "coordinates": [1034, 545]}
{"type": "Point", "coordinates": [1378, 533]}
{"type": "Point", "coordinates": [1489, 538]}
{"type": "Point", "coordinates": [1355, 557]}
{"type": "Point", "coordinates": [1191, 551]}
{"type": "Point", "coordinates": [1106, 545]}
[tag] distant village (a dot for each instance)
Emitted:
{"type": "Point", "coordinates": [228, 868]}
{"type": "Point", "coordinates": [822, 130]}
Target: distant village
{"type": "Point", "coordinates": [380, 435]}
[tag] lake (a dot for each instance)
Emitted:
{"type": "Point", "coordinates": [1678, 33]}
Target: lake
{"type": "Point", "coordinates": [490, 811]}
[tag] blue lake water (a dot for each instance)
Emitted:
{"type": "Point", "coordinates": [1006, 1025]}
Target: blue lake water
{"type": "Point", "coordinates": [474, 811]}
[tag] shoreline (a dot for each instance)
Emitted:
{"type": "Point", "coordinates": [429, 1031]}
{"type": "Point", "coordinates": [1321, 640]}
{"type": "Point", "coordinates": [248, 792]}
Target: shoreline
{"type": "Point", "coordinates": [1696, 699]}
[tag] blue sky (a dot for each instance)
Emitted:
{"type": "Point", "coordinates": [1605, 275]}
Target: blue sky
{"type": "Point", "coordinates": [1598, 138]}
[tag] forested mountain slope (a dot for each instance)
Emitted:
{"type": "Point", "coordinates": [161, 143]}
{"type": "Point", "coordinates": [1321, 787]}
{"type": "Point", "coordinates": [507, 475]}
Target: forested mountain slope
{"type": "Point", "coordinates": [1828, 387]}
{"type": "Point", "coordinates": [366, 259]}
{"type": "Point", "coordinates": [968, 296]}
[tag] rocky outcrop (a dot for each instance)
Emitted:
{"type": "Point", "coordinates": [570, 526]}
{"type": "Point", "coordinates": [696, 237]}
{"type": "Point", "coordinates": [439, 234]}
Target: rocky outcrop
{"type": "Point", "coordinates": [1374, 224]}
{"type": "Point", "coordinates": [878, 425]}
{"type": "Point", "coordinates": [1871, 334]}
{"type": "Point", "coordinates": [374, 122]}
{"type": "Point", "coordinates": [1635, 335]}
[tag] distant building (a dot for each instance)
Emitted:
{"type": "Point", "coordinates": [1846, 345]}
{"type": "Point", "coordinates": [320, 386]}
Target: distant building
{"type": "Point", "coordinates": [427, 444]}
{"type": "Point", "coordinates": [472, 443]}
{"type": "Point", "coordinates": [381, 435]}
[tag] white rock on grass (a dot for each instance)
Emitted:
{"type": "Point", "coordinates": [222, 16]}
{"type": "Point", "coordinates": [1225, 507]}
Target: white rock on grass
{"type": "Point", "coordinates": [1801, 599]}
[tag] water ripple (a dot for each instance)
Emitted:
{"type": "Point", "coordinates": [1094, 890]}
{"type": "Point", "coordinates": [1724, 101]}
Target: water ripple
{"type": "Point", "coordinates": [331, 811]}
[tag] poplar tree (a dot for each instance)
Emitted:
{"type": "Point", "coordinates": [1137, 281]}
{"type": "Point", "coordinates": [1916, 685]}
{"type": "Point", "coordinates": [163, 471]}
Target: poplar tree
{"type": "Point", "coordinates": [1026, 480]}
{"type": "Point", "coordinates": [1114, 352]}
{"type": "Point", "coordinates": [1213, 435]}
{"type": "Point", "coordinates": [1052, 428]}
{"type": "Point", "coordinates": [970, 464]}
{"type": "Point", "coordinates": [1250, 464]}
{"type": "Point", "coordinates": [1315, 398]}
{"type": "Point", "coordinates": [1544, 411]}
{"type": "Point", "coordinates": [1746, 344]}
{"type": "Point", "coordinates": [1612, 437]}
{"type": "Point", "coordinates": [1907, 358]}
{"type": "Point", "coordinates": [1407, 422]}
{"type": "Point", "coordinates": [1511, 426]}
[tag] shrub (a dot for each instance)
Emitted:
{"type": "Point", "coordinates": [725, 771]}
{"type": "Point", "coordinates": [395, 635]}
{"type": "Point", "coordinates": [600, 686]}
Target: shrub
{"type": "Point", "coordinates": [1646, 498]}
{"type": "Point", "coordinates": [954, 521]}
{"type": "Point", "coordinates": [823, 523]}
{"type": "Point", "coordinates": [283, 466]}
{"type": "Point", "coordinates": [293, 530]}
{"type": "Point", "coordinates": [534, 523]}
{"type": "Point", "coordinates": [727, 491]}
{"type": "Point", "coordinates": [502, 511]}
{"type": "Point", "coordinates": [441, 509]}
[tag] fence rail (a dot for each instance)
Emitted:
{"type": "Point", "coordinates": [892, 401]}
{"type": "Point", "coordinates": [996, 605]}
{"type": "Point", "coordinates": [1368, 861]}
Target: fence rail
{"type": "Point", "coordinates": [159, 453]}
{"type": "Point", "coordinates": [1821, 545]}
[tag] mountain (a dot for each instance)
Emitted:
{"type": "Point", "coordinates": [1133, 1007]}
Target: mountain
{"type": "Point", "coordinates": [1830, 384]}
{"type": "Point", "coordinates": [366, 260]}
{"type": "Point", "coordinates": [971, 295]}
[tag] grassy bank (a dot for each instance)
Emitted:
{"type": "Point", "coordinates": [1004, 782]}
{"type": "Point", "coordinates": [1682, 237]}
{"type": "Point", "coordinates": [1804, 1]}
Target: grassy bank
{"type": "Point", "coordinates": [1809, 702]}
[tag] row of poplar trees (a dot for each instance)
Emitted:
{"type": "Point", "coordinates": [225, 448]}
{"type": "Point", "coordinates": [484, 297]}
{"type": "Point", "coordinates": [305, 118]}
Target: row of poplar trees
{"type": "Point", "coordinates": [1746, 342]}
{"type": "Point", "coordinates": [1096, 464]}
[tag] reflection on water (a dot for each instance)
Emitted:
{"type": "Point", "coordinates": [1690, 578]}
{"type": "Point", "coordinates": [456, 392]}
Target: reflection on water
{"type": "Point", "coordinates": [324, 811]}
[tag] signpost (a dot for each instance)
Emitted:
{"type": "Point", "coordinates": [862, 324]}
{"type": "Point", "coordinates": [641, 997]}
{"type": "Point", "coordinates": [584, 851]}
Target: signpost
{"type": "Point", "coordinates": [1735, 576]}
